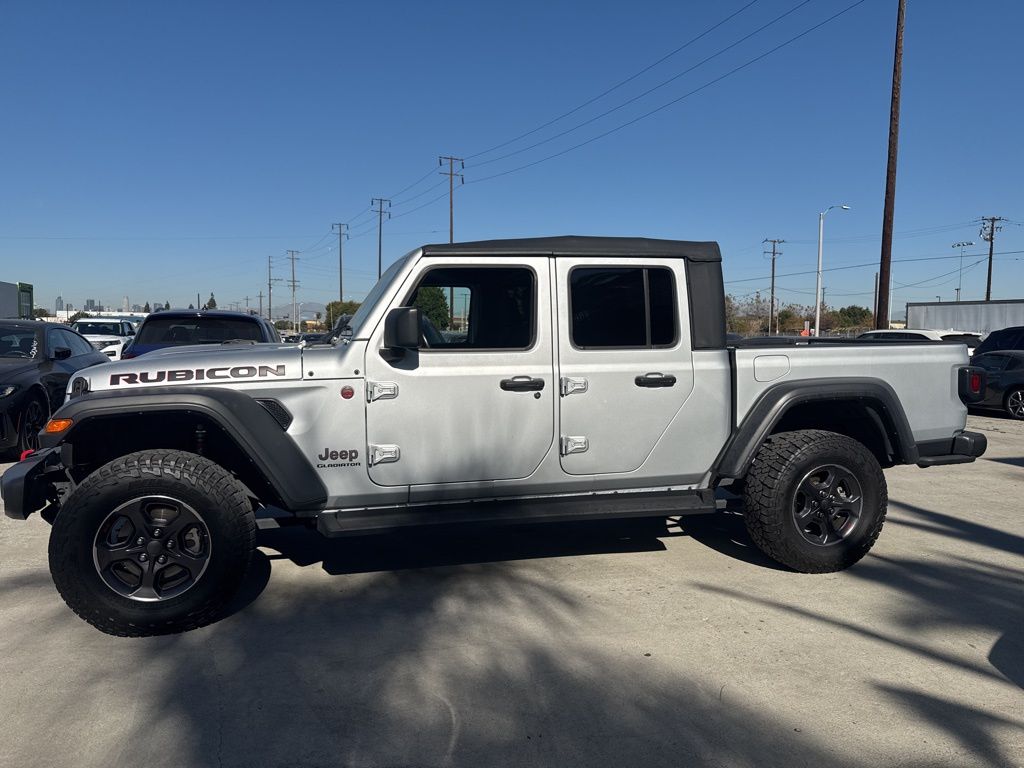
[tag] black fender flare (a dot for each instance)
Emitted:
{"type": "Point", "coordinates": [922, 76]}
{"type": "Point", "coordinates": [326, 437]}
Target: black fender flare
{"type": "Point", "coordinates": [242, 418]}
{"type": "Point", "coordinates": [776, 401]}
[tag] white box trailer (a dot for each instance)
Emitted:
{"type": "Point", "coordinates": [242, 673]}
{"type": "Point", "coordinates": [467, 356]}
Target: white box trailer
{"type": "Point", "coordinates": [975, 316]}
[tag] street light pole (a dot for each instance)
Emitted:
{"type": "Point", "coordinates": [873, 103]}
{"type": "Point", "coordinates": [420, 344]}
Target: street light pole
{"type": "Point", "coordinates": [960, 283]}
{"type": "Point", "coordinates": [817, 287]}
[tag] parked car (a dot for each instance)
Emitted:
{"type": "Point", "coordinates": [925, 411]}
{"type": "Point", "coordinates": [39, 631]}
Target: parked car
{"type": "Point", "coordinates": [1003, 339]}
{"type": "Point", "coordinates": [110, 335]}
{"type": "Point", "coordinates": [36, 361]}
{"type": "Point", "coordinates": [537, 413]}
{"type": "Point", "coordinates": [1005, 381]}
{"type": "Point", "coordinates": [187, 327]}
{"type": "Point", "coordinates": [972, 340]}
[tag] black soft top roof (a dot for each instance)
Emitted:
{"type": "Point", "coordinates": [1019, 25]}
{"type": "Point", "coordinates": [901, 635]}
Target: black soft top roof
{"type": "Point", "coordinates": [575, 245]}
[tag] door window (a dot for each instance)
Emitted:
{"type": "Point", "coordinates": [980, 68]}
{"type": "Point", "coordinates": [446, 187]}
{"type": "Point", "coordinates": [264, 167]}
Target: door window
{"type": "Point", "coordinates": [476, 308]}
{"type": "Point", "coordinates": [75, 343]}
{"type": "Point", "coordinates": [622, 307]}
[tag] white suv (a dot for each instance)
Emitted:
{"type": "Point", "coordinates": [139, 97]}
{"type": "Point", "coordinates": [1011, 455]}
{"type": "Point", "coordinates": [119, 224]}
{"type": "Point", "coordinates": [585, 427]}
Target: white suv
{"type": "Point", "coordinates": [107, 334]}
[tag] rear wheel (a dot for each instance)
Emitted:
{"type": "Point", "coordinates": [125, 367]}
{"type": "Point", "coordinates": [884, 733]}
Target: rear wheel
{"type": "Point", "coordinates": [152, 543]}
{"type": "Point", "coordinates": [1015, 403]}
{"type": "Point", "coordinates": [815, 500]}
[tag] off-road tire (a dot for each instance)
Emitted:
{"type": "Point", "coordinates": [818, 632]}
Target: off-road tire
{"type": "Point", "coordinates": [770, 490]}
{"type": "Point", "coordinates": [215, 494]}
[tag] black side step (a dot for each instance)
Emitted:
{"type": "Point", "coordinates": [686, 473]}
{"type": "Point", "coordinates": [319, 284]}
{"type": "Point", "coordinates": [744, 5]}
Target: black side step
{"type": "Point", "coordinates": [560, 509]}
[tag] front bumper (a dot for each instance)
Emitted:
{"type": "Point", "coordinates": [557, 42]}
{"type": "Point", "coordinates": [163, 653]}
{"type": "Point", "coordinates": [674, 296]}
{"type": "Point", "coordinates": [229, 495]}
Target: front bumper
{"type": "Point", "coordinates": [28, 485]}
{"type": "Point", "coordinates": [962, 448]}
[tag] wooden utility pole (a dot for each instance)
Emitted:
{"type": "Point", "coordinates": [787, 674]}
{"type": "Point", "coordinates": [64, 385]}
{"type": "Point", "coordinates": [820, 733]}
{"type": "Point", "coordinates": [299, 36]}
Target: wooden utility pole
{"type": "Point", "coordinates": [885, 264]}
{"type": "Point", "coordinates": [988, 232]}
{"type": "Point", "coordinates": [775, 254]}
{"type": "Point", "coordinates": [380, 211]}
{"type": "Point", "coordinates": [294, 284]}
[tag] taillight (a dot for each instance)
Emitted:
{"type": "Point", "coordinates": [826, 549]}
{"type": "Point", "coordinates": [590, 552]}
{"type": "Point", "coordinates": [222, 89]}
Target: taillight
{"type": "Point", "coordinates": [971, 382]}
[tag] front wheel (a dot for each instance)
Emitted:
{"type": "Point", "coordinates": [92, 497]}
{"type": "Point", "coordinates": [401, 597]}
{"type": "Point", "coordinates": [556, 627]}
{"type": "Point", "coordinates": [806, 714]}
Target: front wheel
{"type": "Point", "coordinates": [33, 419]}
{"type": "Point", "coordinates": [152, 543]}
{"type": "Point", "coordinates": [814, 500]}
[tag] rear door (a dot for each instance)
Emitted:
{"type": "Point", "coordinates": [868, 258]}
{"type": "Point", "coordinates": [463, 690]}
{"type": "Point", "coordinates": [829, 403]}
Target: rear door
{"type": "Point", "coordinates": [624, 362]}
{"type": "Point", "coordinates": [476, 403]}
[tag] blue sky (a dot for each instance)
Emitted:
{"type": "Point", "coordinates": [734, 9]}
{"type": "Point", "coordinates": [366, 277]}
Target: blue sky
{"type": "Point", "coordinates": [165, 150]}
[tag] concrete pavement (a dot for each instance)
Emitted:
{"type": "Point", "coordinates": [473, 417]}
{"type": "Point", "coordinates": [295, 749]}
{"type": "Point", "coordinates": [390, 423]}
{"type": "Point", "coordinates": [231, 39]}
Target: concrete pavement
{"type": "Point", "coordinates": [585, 645]}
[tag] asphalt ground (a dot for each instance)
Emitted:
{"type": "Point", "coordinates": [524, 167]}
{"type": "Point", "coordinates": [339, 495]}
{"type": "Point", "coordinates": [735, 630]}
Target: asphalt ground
{"type": "Point", "coordinates": [580, 645]}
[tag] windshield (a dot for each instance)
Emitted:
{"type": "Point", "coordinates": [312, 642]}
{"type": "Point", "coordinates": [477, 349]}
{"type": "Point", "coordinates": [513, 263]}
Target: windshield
{"type": "Point", "coordinates": [182, 331]}
{"type": "Point", "coordinates": [94, 328]}
{"type": "Point", "coordinates": [18, 342]}
{"type": "Point", "coordinates": [378, 290]}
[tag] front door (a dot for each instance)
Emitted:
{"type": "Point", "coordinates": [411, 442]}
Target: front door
{"type": "Point", "coordinates": [625, 365]}
{"type": "Point", "coordinates": [476, 402]}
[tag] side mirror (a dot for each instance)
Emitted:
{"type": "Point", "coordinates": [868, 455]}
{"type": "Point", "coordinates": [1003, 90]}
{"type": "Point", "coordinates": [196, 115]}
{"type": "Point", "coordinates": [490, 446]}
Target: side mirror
{"type": "Point", "coordinates": [401, 332]}
{"type": "Point", "coordinates": [131, 332]}
{"type": "Point", "coordinates": [61, 353]}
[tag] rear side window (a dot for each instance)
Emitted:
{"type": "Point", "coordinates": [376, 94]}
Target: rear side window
{"type": "Point", "coordinates": [622, 307]}
{"type": "Point", "coordinates": [182, 331]}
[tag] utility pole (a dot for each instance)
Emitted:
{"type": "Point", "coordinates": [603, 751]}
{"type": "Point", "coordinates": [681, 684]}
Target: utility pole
{"type": "Point", "coordinates": [270, 290]}
{"type": "Point", "coordinates": [342, 234]}
{"type": "Point", "coordinates": [260, 294]}
{"type": "Point", "coordinates": [988, 233]}
{"type": "Point", "coordinates": [885, 264]}
{"type": "Point", "coordinates": [451, 174]}
{"type": "Point", "coordinates": [874, 304]}
{"type": "Point", "coordinates": [246, 305]}
{"type": "Point", "coordinates": [380, 211]}
{"type": "Point", "coordinates": [294, 284]}
{"type": "Point", "coordinates": [775, 254]}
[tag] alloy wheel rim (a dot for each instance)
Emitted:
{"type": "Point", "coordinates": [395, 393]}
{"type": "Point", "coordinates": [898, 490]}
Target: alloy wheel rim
{"type": "Point", "coordinates": [152, 548]}
{"type": "Point", "coordinates": [1015, 403]}
{"type": "Point", "coordinates": [828, 505]}
{"type": "Point", "coordinates": [35, 420]}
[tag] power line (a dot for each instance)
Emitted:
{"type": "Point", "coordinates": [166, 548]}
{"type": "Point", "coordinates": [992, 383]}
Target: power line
{"type": "Point", "coordinates": [649, 91]}
{"type": "Point", "coordinates": [674, 101]}
{"type": "Point", "coordinates": [615, 87]}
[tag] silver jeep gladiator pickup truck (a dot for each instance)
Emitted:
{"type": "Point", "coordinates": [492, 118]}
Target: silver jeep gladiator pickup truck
{"type": "Point", "coordinates": [546, 379]}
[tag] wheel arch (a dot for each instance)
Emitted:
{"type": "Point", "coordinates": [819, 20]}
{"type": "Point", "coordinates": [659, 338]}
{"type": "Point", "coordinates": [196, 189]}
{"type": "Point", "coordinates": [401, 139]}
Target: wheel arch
{"type": "Point", "coordinates": [867, 410]}
{"type": "Point", "coordinates": [236, 432]}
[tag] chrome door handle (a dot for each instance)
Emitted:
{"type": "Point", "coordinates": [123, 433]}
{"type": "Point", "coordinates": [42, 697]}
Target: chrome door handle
{"type": "Point", "coordinates": [522, 384]}
{"type": "Point", "coordinates": [655, 380]}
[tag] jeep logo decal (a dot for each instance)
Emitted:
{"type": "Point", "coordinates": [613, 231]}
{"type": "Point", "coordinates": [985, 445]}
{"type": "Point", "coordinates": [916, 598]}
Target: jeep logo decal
{"type": "Point", "coordinates": [197, 374]}
{"type": "Point", "coordinates": [347, 458]}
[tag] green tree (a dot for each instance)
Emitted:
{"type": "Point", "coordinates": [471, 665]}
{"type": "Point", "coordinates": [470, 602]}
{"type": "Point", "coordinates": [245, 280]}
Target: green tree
{"type": "Point", "coordinates": [432, 302]}
{"type": "Point", "coordinates": [212, 303]}
{"type": "Point", "coordinates": [146, 308]}
{"type": "Point", "coordinates": [336, 309]}
{"type": "Point", "coordinates": [167, 305]}
{"type": "Point", "coordinates": [76, 317]}
{"type": "Point", "coordinates": [40, 312]}
{"type": "Point", "coordinates": [190, 306]}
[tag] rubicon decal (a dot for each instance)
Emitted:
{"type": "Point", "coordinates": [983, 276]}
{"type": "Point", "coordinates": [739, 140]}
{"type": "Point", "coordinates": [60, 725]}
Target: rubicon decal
{"type": "Point", "coordinates": [198, 374]}
{"type": "Point", "coordinates": [331, 459]}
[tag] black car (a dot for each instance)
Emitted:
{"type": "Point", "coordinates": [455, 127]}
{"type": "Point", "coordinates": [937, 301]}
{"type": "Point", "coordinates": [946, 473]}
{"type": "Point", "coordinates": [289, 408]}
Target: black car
{"type": "Point", "coordinates": [184, 327]}
{"type": "Point", "coordinates": [36, 361]}
{"type": "Point", "coordinates": [1005, 381]}
{"type": "Point", "coordinates": [1003, 339]}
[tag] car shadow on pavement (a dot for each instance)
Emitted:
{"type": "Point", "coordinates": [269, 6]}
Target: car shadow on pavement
{"type": "Point", "coordinates": [958, 527]}
{"type": "Point", "coordinates": [1013, 461]}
